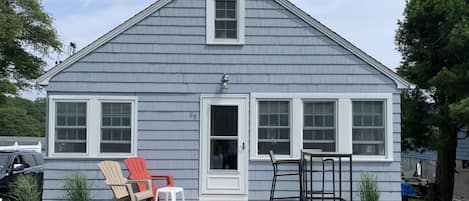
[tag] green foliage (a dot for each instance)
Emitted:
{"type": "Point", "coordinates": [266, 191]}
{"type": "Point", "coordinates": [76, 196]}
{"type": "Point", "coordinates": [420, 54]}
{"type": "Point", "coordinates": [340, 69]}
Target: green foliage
{"type": "Point", "coordinates": [416, 133]}
{"type": "Point", "coordinates": [77, 187]}
{"type": "Point", "coordinates": [459, 112]}
{"type": "Point", "coordinates": [434, 41]}
{"type": "Point", "coordinates": [26, 36]}
{"type": "Point", "coordinates": [26, 188]}
{"type": "Point", "coordinates": [368, 188]}
{"type": "Point", "coordinates": [22, 117]}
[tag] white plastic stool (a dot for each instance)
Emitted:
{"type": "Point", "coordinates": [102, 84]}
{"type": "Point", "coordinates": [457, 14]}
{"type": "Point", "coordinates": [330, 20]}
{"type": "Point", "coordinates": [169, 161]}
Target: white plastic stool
{"type": "Point", "coordinates": [171, 190]}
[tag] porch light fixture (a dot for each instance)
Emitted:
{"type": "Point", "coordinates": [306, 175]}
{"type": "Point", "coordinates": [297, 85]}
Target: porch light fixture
{"type": "Point", "coordinates": [225, 80]}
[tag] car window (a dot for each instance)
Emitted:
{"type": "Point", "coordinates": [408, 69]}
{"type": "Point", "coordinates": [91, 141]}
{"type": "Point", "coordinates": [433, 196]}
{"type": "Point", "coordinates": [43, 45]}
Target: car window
{"type": "Point", "coordinates": [39, 160]}
{"type": "Point", "coordinates": [18, 160]}
{"type": "Point", "coordinates": [29, 160]}
{"type": "Point", "coordinates": [4, 158]}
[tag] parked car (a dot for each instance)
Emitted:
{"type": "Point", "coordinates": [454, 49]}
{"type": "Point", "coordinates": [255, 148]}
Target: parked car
{"type": "Point", "coordinates": [15, 163]}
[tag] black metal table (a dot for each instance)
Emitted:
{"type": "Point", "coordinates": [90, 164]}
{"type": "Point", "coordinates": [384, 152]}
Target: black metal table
{"type": "Point", "coordinates": [308, 191]}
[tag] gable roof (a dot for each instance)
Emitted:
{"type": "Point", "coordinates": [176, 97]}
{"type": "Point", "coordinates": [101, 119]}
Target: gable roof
{"type": "Point", "coordinates": [400, 82]}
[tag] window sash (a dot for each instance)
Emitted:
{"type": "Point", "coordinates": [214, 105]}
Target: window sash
{"type": "Point", "coordinates": [367, 108]}
{"type": "Point", "coordinates": [121, 111]}
{"type": "Point", "coordinates": [226, 32]}
{"type": "Point", "coordinates": [274, 108]}
{"type": "Point", "coordinates": [322, 110]}
{"type": "Point", "coordinates": [72, 110]}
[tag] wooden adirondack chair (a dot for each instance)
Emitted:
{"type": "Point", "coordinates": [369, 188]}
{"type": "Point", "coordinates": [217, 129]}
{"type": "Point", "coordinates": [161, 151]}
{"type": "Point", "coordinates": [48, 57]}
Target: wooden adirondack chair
{"type": "Point", "coordinates": [122, 187]}
{"type": "Point", "coordinates": [138, 170]}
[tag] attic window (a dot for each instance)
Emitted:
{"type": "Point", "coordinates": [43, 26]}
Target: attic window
{"type": "Point", "coordinates": [225, 22]}
{"type": "Point", "coordinates": [225, 19]}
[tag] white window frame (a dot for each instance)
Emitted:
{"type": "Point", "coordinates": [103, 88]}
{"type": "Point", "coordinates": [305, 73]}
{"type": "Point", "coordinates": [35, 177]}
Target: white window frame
{"type": "Point", "coordinates": [210, 24]}
{"type": "Point", "coordinates": [256, 122]}
{"type": "Point", "coordinates": [384, 101]}
{"type": "Point", "coordinates": [343, 122]}
{"type": "Point", "coordinates": [93, 125]}
{"type": "Point", "coordinates": [336, 116]}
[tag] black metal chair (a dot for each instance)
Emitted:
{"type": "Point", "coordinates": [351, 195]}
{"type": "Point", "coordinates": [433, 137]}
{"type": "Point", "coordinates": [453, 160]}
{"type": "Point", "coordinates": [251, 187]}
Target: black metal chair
{"type": "Point", "coordinates": [281, 173]}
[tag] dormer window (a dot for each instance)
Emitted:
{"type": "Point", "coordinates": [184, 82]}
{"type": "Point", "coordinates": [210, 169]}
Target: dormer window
{"type": "Point", "coordinates": [225, 22]}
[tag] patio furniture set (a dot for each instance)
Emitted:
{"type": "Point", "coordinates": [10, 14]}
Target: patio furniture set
{"type": "Point", "coordinates": [123, 188]}
{"type": "Point", "coordinates": [305, 171]}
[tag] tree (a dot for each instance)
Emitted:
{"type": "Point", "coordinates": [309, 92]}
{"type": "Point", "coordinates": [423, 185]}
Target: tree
{"type": "Point", "coordinates": [15, 122]}
{"type": "Point", "coordinates": [26, 36]}
{"type": "Point", "coordinates": [22, 117]}
{"type": "Point", "coordinates": [433, 38]}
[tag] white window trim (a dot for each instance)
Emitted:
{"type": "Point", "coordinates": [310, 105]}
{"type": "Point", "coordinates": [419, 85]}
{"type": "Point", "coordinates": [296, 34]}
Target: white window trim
{"type": "Point", "coordinates": [336, 117]}
{"type": "Point", "coordinates": [254, 123]}
{"type": "Point", "coordinates": [210, 24]}
{"type": "Point", "coordinates": [343, 124]}
{"type": "Point", "coordinates": [93, 125]}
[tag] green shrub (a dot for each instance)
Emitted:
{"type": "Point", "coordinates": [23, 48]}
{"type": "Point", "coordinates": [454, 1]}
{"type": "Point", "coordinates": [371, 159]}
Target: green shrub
{"type": "Point", "coordinates": [77, 187]}
{"type": "Point", "coordinates": [368, 188]}
{"type": "Point", "coordinates": [25, 188]}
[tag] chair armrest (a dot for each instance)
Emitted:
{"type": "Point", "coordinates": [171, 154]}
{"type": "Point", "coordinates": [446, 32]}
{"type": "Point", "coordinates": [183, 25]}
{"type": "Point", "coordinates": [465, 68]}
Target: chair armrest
{"type": "Point", "coordinates": [169, 179]}
{"type": "Point", "coordinates": [132, 181]}
{"type": "Point", "coordinates": [114, 184]}
{"type": "Point", "coordinates": [146, 181]}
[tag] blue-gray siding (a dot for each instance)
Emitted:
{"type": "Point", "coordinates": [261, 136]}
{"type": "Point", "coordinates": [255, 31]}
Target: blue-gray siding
{"type": "Point", "coordinates": [165, 62]}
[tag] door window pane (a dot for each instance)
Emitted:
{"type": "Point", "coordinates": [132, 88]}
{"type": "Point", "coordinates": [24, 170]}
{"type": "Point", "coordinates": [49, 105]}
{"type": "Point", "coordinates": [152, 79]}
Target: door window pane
{"type": "Point", "coordinates": [224, 121]}
{"type": "Point", "coordinates": [368, 128]}
{"type": "Point", "coordinates": [116, 128]}
{"type": "Point", "coordinates": [319, 129]}
{"type": "Point", "coordinates": [226, 23]}
{"type": "Point", "coordinates": [224, 154]}
{"type": "Point", "coordinates": [70, 127]}
{"type": "Point", "coordinates": [274, 127]}
{"type": "Point", "coordinates": [224, 137]}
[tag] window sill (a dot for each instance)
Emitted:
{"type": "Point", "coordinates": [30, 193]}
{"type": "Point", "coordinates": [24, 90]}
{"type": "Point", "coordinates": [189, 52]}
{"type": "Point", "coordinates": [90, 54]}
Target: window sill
{"type": "Point", "coordinates": [225, 42]}
{"type": "Point", "coordinates": [64, 156]}
{"type": "Point", "coordinates": [267, 158]}
{"type": "Point", "coordinates": [355, 158]}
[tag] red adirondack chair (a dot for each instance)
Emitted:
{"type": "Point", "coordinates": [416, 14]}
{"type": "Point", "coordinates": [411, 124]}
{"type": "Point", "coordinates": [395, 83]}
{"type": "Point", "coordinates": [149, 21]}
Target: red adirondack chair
{"type": "Point", "coordinates": [138, 170]}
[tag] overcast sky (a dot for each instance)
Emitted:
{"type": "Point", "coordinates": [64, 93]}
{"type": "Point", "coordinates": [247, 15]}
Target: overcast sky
{"type": "Point", "coordinates": [368, 24]}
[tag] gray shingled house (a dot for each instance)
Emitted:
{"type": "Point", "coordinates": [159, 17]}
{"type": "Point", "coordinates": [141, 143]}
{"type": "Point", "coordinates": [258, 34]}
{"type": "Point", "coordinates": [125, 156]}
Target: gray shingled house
{"type": "Point", "coordinates": [269, 74]}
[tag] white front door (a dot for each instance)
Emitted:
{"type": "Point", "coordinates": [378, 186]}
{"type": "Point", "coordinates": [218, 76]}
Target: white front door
{"type": "Point", "coordinates": [224, 154]}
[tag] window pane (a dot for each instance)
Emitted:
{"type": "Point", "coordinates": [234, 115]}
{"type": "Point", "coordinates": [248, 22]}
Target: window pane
{"type": "Point", "coordinates": [368, 131]}
{"type": "Point", "coordinates": [226, 24]}
{"type": "Point", "coordinates": [115, 147]}
{"type": "Point", "coordinates": [70, 128]}
{"type": "Point", "coordinates": [70, 147]}
{"type": "Point", "coordinates": [231, 34]}
{"type": "Point", "coordinates": [326, 147]}
{"type": "Point", "coordinates": [282, 148]}
{"type": "Point", "coordinates": [224, 121]}
{"type": "Point", "coordinates": [230, 14]}
{"type": "Point", "coordinates": [231, 4]}
{"type": "Point", "coordinates": [368, 149]}
{"type": "Point", "coordinates": [224, 154]}
{"type": "Point", "coordinates": [116, 130]}
{"type": "Point", "coordinates": [274, 127]}
{"type": "Point", "coordinates": [319, 126]}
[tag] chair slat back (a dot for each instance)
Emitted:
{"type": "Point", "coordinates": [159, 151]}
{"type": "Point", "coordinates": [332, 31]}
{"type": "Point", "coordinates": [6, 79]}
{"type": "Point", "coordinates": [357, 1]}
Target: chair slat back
{"type": "Point", "coordinates": [113, 174]}
{"type": "Point", "coordinates": [138, 170]}
{"type": "Point", "coordinates": [272, 157]}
